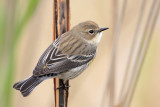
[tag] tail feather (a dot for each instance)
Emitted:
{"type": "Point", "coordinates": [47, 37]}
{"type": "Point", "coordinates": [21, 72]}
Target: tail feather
{"type": "Point", "coordinates": [18, 85]}
{"type": "Point", "coordinates": [26, 86]}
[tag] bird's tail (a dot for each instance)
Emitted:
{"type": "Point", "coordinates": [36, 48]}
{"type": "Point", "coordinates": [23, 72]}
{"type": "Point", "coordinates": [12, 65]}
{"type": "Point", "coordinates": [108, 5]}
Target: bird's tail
{"type": "Point", "coordinates": [26, 86]}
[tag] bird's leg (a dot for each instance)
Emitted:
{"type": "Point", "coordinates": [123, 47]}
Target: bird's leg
{"type": "Point", "coordinates": [63, 85]}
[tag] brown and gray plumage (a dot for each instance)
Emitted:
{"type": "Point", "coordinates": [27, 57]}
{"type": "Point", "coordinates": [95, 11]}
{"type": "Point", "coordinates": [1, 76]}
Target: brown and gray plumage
{"type": "Point", "coordinates": [66, 57]}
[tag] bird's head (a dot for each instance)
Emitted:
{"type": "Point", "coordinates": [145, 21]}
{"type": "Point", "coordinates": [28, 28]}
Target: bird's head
{"type": "Point", "coordinates": [89, 31]}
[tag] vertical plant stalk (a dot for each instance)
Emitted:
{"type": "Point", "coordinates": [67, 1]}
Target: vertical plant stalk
{"type": "Point", "coordinates": [147, 34]}
{"type": "Point", "coordinates": [61, 24]}
{"type": "Point", "coordinates": [8, 55]}
{"type": "Point", "coordinates": [141, 54]}
{"type": "Point", "coordinates": [111, 78]}
{"type": "Point", "coordinates": [125, 84]}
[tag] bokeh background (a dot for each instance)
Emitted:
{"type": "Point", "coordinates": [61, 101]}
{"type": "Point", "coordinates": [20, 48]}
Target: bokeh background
{"type": "Point", "coordinates": [26, 31]}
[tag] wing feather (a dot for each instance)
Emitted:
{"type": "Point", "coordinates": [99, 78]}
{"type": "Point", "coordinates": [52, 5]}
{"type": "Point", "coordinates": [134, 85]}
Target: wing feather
{"type": "Point", "coordinates": [53, 61]}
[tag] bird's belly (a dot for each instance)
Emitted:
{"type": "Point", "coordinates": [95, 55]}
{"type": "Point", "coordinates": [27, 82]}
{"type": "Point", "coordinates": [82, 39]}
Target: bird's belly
{"type": "Point", "coordinates": [73, 72]}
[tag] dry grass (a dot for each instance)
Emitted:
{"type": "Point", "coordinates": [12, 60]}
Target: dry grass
{"type": "Point", "coordinates": [133, 67]}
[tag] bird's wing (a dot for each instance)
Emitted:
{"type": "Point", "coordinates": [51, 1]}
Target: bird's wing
{"type": "Point", "coordinates": [54, 62]}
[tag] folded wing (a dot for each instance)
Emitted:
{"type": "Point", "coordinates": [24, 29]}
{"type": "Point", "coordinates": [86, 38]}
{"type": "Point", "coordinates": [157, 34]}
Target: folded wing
{"type": "Point", "coordinates": [54, 62]}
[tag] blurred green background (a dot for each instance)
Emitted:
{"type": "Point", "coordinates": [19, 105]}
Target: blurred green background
{"type": "Point", "coordinates": [26, 31]}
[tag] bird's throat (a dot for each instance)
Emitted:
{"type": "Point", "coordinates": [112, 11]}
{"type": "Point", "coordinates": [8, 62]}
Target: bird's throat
{"type": "Point", "coordinates": [97, 38]}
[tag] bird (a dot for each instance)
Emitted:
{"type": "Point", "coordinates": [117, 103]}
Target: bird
{"type": "Point", "coordinates": [66, 58]}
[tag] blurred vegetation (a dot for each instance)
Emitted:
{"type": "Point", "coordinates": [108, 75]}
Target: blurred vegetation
{"type": "Point", "coordinates": [11, 27]}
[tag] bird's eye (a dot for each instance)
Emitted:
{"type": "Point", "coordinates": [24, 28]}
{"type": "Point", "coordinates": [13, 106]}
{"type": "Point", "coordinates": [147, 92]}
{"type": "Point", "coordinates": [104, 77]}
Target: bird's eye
{"type": "Point", "coordinates": [91, 31]}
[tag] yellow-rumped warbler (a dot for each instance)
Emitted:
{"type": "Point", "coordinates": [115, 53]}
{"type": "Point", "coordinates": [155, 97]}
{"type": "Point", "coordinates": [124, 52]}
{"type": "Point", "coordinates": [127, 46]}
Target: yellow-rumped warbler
{"type": "Point", "coordinates": [67, 57]}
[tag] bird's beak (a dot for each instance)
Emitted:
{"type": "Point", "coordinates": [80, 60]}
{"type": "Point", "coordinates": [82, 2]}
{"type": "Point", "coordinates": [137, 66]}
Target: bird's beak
{"type": "Point", "coordinates": [102, 29]}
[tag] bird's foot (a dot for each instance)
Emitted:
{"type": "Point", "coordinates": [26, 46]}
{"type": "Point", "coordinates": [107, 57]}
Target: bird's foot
{"type": "Point", "coordinates": [63, 85]}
